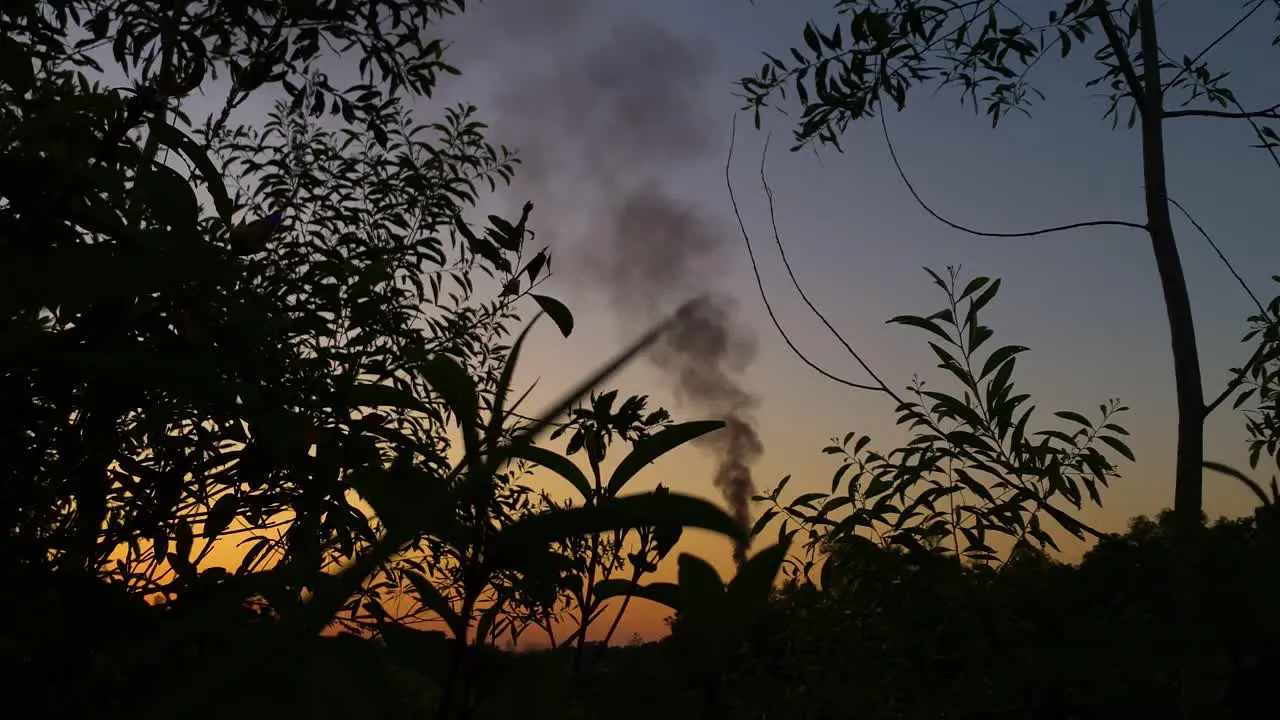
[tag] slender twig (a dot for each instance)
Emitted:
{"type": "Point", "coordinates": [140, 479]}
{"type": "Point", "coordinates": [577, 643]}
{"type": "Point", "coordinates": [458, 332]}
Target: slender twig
{"type": "Point", "coordinates": [1243, 372]}
{"type": "Point", "coordinates": [1221, 256]}
{"type": "Point", "coordinates": [755, 267]}
{"type": "Point", "coordinates": [1248, 482]}
{"type": "Point", "coordinates": [1235, 382]}
{"type": "Point", "coordinates": [1257, 5]}
{"type": "Point", "coordinates": [1266, 143]}
{"type": "Point", "coordinates": [980, 233]}
{"type": "Point", "coordinates": [777, 238]}
{"type": "Point", "coordinates": [1103, 10]}
{"type": "Point", "coordinates": [1271, 113]}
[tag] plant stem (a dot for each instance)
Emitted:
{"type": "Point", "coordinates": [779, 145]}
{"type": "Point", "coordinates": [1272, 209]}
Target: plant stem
{"type": "Point", "coordinates": [626, 600]}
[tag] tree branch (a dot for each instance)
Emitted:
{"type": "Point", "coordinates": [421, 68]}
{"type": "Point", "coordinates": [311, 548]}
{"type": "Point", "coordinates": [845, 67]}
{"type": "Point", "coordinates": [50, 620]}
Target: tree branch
{"type": "Point", "coordinates": [1245, 286]}
{"type": "Point", "coordinates": [755, 267]}
{"type": "Point", "coordinates": [1234, 383]}
{"type": "Point", "coordinates": [1248, 482]}
{"type": "Point", "coordinates": [1264, 142]}
{"type": "Point", "coordinates": [1271, 113]}
{"type": "Point", "coordinates": [777, 237]}
{"type": "Point", "coordinates": [981, 233]}
{"type": "Point", "coordinates": [1243, 372]}
{"type": "Point", "coordinates": [1257, 5]}
{"type": "Point", "coordinates": [1103, 10]}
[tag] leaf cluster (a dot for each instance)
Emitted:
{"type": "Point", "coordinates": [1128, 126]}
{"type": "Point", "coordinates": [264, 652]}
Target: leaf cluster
{"type": "Point", "coordinates": [975, 467]}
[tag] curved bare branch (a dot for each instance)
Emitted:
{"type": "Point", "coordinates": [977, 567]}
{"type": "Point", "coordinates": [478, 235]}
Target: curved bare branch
{"type": "Point", "coordinates": [755, 267]}
{"type": "Point", "coordinates": [981, 233]}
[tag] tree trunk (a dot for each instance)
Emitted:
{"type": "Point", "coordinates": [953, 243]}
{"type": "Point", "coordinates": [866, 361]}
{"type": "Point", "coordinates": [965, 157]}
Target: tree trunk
{"type": "Point", "coordinates": [1188, 490]}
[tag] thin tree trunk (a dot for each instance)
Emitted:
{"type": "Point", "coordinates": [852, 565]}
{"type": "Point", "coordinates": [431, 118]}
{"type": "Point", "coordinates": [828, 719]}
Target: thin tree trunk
{"type": "Point", "coordinates": [1188, 490]}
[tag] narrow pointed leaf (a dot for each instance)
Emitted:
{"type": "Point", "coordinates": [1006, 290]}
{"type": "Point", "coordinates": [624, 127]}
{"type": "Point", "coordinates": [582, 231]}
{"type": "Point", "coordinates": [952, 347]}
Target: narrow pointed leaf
{"type": "Point", "coordinates": [496, 419]}
{"type": "Point", "coordinates": [750, 588]}
{"type": "Point", "coordinates": [559, 464]}
{"type": "Point", "coordinates": [220, 516]}
{"type": "Point", "coordinates": [558, 312]}
{"type": "Point", "coordinates": [999, 357]}
{"type": "Point", "coordinates": [458, 390]}
{"type": "Point", "coordinates": [622, 513]}
{"type": "Point", "coordinates": [379, 395]}
{"type": "Point", "coordinates": [663, 593]}
{"type": "Point", "coordinates": [655, 446]}
{"type": "Point", "coordinates": [1119, 446]}
{"type": "Point", "coordinates": [431, 599]}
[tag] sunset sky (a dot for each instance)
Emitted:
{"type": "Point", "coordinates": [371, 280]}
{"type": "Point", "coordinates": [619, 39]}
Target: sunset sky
{"type": "Point", "coordinates": [1088, 304]}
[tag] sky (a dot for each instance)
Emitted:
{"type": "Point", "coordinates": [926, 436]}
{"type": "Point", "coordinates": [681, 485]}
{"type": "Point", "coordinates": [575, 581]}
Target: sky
{"type": "Point", "coordinates": [556, 78]}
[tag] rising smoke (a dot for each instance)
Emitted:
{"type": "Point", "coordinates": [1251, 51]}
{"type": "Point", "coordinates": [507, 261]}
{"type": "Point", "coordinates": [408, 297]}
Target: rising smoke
{"type": "Point", "coordinates": [613, 113]}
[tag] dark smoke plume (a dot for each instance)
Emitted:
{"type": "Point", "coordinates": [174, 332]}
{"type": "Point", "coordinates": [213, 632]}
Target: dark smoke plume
{"type": "Point", "coordinates": [616, 112]}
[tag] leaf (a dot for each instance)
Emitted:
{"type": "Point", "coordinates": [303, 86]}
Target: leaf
{"type": "Point", "coordinates": [655, 446]}
{"type": "Point", "coordinates": [169, 197]}
{"type": "Point", "coordinates": [919, 322]}
{"type": "Point", "coordinates": [811, 38]}
{"type": "Point", "coordinates": [487, 619]}
{"type": "Point", "coordinates": [174, 138]}
{"type": "Point", "coordinates": [997, 358]}
{"type": "Point", "coordinates": [703, 608]}
{"type": "Point", "coordinates": [751, 587]}
{"type": "Point", "coordinates": [180, 558]}
{"type": "Point", "coordinates": [619, 513]}
{"type": "Point", "coordinates": [410, 501]}
{"type": "Point", "coordinates": [777, 491]}
{"type": "Point", "coordinates": [1118, 445]}
{"type": "Point", "coordinates": [15, 65]}
{"type": "Point", "coordinates": [663, 593]}
{"type": "Point", "coordinates": [560, 465]}
{"type": "Point", "coordinates": [1074, 417]}
{"type": "Point", "coordinates": [560, 314]}
{"type": "Point", "coordinates": [506, 236]}
{"type": "Point", "coordinates": [611, 588]}
{"type": "Point", "coordinates": [481, 247]}
{"type": "Point", "coordinates": [535, 265]}
{"type": "Point", "coordinates": [251, 555]}
{"type": "Point", "coordinates": [220, 516]}
{"type": "Point", "coordinates": [974, 285]}
{"type": "Point", "coordinates": [456, 387]}
{"type": "Point", "coordinates": [1067, 522]}
{"type": "Point", "coordinates": [380, 395]}
{"type": "Point", "coordinates": [973, 485]}
{"type": "Point", "coordinates": [806, 500]}
{"type": "Point", "coordinates": [700, 584]}
{"type": "Point", "coordinates": [763, 521]}
{"type": "Point", "coordinates": [160, 546]}
{"type": "Point", "coordinates": [1248, 482]}
{"type": "Point", "coordinates": [981, 301]}
{"type": "Point", "coordinates": [431, 599]}
{"type": "Point", "coordinates": [494, 431]}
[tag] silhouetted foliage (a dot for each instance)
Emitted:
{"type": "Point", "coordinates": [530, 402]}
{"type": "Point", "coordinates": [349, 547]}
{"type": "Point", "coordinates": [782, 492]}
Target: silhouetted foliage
{"type": "Point", "coordinates": [870, 56]}
{"type": "Point", "coordinates": [283, 341]}
{"type": "Point", "coordinates": [975, 470]}
{"type": "Point", "coordinates": [266, 336]}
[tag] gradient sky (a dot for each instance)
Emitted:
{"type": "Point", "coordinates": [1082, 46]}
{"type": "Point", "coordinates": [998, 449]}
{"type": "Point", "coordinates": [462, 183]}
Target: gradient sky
{"type": "Point", "coordinates": [1088, 304]}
